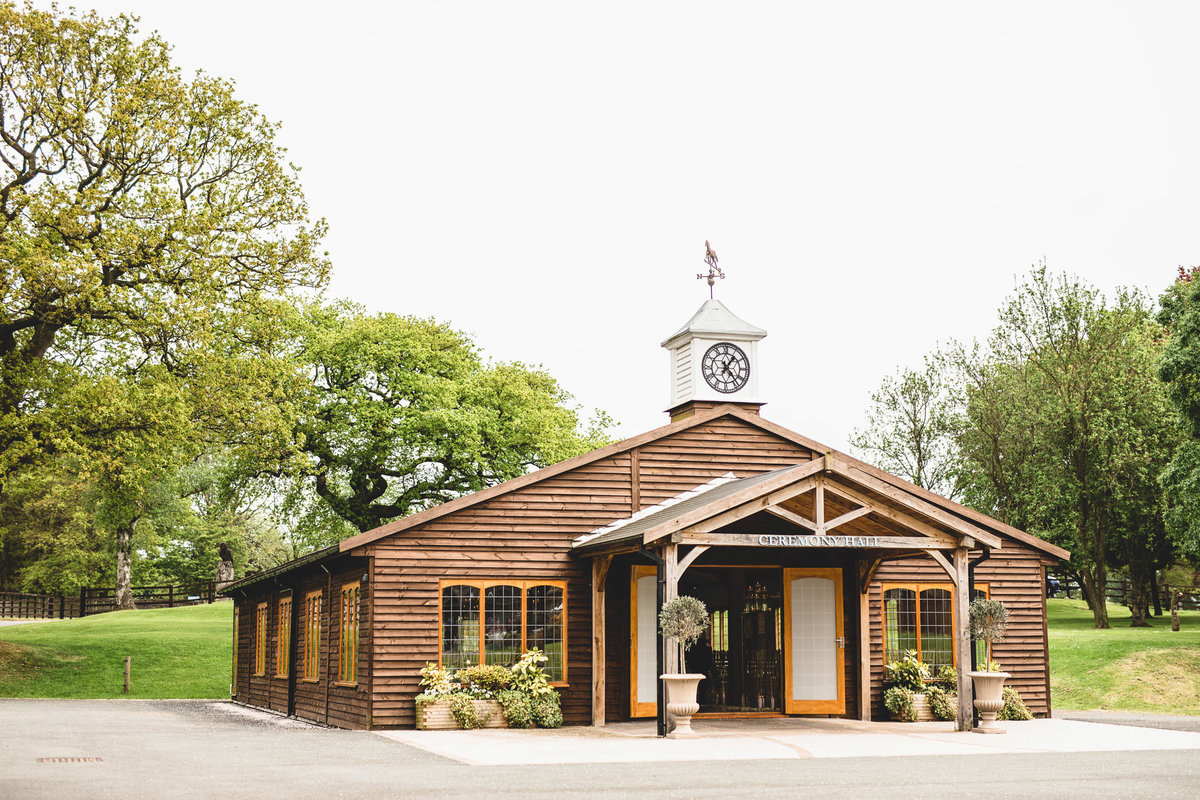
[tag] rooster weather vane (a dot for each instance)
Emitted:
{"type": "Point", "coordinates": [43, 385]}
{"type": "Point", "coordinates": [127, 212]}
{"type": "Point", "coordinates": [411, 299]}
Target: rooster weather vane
{"type": "Point", "coordinates": [714, 272]}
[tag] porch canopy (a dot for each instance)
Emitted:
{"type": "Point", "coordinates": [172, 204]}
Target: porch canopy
{"type": "Point", "coordinates": [827, 503]}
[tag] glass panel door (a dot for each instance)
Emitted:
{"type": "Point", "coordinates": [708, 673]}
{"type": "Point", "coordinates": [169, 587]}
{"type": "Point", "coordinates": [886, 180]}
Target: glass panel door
{"type": "Point", "coordinates": [815, 646]}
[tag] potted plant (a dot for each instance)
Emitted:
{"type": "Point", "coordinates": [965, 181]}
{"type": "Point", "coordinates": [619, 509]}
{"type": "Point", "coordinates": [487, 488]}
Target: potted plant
{"type": "Point", "coordinates": [906, 698]}
{"type": "Point", "coordinates": [989, 621]}
{"type": "Point", "coordinates": [682, 619]}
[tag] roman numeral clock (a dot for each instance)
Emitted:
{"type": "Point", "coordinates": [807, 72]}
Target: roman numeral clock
{"type": "Point", "coordinates": [725, 367]}
{"type": "Point", "coordinates": [714, 358]}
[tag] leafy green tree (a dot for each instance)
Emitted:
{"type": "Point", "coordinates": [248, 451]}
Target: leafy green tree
{"type": "Point", "coordinates": [1065, 429]}
{"type": "Point", "coordinates": [911, 427]}
{"type": "Point", "coordinates": [1179, 368]}
{"type": "Point", "coordinates": [405, 414]}
{"type": "Point", "coordinates": [149, 228]}
{"type": "Point", "coordinates": [139, 212]}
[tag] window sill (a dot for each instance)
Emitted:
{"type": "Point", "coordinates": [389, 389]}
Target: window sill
{"type": "Point", "coordinates": [310, 680]}
{"type": "Point", "coordinates": [280, 677]}
{"type": "Point", "coordinates": [347, 684]}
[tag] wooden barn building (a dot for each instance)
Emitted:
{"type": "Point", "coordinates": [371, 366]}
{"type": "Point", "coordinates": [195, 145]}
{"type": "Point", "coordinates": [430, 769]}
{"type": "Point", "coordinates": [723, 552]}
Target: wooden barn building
{"type": "Point", "coordinates": [816, 568]}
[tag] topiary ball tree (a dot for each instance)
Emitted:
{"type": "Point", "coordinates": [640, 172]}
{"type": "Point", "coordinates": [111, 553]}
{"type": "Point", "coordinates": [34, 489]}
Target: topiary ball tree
{"type": "Point", "coordinates": [683, 619]}
{"type": "Point", "coordinates": [989, 621]}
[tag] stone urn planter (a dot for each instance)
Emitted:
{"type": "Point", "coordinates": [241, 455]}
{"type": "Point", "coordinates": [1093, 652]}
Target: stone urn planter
{"type": "Point", "coordinates": [989, 699]}
{"type": "Point", "coordinates": [681, 701]}
{"type": "Point", "coordinates": [435, 715]}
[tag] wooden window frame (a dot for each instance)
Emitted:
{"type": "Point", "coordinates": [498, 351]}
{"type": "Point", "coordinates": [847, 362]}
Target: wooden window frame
{"type": "Point", "coordinates": [524, 586]}
{"type": "Point", "coordinates": [260, 640]}
{"type": "Point", "coordinates": [349, 606]}
{"type": "Point", "coordinates": [283, 637]}
{"type": "Point", "coordinates": [917, 588]}
{"type": "Point", "coordinates": [312, 637]}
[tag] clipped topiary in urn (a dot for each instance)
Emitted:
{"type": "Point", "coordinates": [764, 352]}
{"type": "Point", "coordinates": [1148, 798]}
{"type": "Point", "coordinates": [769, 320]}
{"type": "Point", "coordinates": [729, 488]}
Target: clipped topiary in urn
{"type": "Point", "coordinates": [682, 619]}
{"type": "Point", "coordinates": [989, 622]}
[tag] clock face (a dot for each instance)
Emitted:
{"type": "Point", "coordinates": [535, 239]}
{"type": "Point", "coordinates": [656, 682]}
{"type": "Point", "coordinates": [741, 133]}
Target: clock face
{"type": "Point", "coordinates": [725, 367]}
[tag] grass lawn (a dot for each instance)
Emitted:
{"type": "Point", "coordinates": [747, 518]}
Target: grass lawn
{"type": "Point", "coordinates": [1123, 668]}
{"type": "Point", "coordinates": [177, 653]}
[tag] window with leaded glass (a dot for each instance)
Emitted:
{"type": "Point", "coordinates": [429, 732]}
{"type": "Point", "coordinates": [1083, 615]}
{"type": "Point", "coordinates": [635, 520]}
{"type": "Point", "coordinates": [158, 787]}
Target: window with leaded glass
{"type": "Point", "coordinates": [920, 617]}
{"type": "Point", "coordinates": [494, 622]}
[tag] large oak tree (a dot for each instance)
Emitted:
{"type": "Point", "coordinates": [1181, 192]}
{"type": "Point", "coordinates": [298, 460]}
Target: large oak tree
{"type": "Point", "coordinates": [148, 226]}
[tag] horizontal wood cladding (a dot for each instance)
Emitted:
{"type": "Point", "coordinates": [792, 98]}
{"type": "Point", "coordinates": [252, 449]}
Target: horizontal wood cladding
{"type": "Point", "coordinates": [1014, 577]}
{"type": "Point", "coordinates": [322, 700]}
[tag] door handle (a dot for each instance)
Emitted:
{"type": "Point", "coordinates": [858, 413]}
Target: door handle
{"type": "Point", "coordinates": [841, 641]}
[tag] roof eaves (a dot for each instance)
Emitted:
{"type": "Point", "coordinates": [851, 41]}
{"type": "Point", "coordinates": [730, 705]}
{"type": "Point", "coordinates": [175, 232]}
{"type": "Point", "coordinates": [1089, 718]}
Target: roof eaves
{"type": "Point", "coordinates": [282, 569]}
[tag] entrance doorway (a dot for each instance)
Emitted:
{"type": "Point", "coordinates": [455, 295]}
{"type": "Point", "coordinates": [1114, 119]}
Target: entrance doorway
{"type": "Point", "coordinates": [742, 653]}
{"type": "Point", "coordinates": [775, 642]}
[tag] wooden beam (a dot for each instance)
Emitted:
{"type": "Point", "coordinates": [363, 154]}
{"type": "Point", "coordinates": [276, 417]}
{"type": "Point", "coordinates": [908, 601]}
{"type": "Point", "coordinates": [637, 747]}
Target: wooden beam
{"type": "Point", "coordinates": [847, 517]}
{"type": "Point", "coordinates": [864, 580]}
{"type": "Point", "coordinates": [806, 541]}
{"type": "Point", "coordinates": [915, 503]}
{"type": "Point", "coordinates": [693, 554]}
{"type": "Point", "coordinates": [754, 506]}
{"type": "Point", "coordinates": [944, 564]}
{"type": "Point", "coordinates": [600, 565]}
{"type": "Point", "coordinates": [866, 569]}
{"type": "Point", "coordinates": [670, 554]}
{"type": "Point", "coordinates": [635, 481]}
{"type": "Point", "coordinates": [792, 517]}
{"type": "Point", "coordinates": [819, 504]}
{"type": "Point", "coordinates": [962, 640]}
{"type": "Point", "coordinates": [900, 518]}
{"type": "Point", "coordinates": [785, 479]}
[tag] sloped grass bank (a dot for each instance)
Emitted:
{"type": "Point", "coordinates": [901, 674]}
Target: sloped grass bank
{"type": "Point", "coordinates": [1123, 669]}
{"type": "Point", "coordinates": [177, 653]}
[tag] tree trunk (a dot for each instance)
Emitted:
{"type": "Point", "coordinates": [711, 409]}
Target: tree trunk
{"type": "Point", "coordinates": [124, 592]}
{"type": "Point", "coordinates": [1157, 595]}
{"type": "Point", "coordinates": [1095, 585]}
{"type": "Point", "coordinates": [1175, 598]}
{"type": "Point", "coordinates": [1138, 600]}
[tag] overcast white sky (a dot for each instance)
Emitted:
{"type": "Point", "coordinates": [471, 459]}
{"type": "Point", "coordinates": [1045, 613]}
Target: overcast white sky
{"type": "Point", "coordinates": [873, 176]}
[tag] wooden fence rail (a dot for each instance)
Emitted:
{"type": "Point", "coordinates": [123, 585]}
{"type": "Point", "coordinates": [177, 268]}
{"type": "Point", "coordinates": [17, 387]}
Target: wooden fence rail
{"type": "Point", "coordinates": [99, 599]}
{"type": "Point", "coordinates": [1117, 592]}
{"type": "Point", "coordinates": [26, 605]}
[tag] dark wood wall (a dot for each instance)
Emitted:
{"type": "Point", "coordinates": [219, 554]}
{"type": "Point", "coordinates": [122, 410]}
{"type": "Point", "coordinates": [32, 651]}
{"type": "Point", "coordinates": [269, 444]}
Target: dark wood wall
{"type": "Point", "coordinates": [322, 700]}
{"type": "Point", "coordinates": [1016, 577]}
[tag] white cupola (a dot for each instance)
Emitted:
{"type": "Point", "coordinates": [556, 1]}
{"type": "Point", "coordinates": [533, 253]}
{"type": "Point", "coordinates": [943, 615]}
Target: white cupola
{"type": "Point", "coordinates": [714, 360]}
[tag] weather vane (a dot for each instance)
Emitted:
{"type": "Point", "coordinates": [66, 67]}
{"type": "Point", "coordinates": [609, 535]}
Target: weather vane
{"type": "Point", "coordinates": [714, 272]}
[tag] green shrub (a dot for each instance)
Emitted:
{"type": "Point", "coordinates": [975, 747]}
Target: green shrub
{"type": "Point", "coordinates": [683, 619]}
{"type": "Point", "coordinates": [899, 701]}
{"type": "Point", "coordinates": [988, 620]}
{"type": "Point", "coordinates": [518, 710]}
{"type": "Point", "coordinates": [462, 708]}
{"type": "Point", "coordinates": [940, 702]}
{"type": "Point", "coordinates": [546, 710]}
{"type": "Point", "coordinates": [528, 675]}
{"type": "Point", "coordinates": [484, 680]}
{"type": "Point", "coordinates": [947, 678]}
{"type": "Point", "coordinates": [437, 681]}
{"type": "Point", "coordinates": [1014, 707]}
{"type": "Point", "coordinates": [908, 672]}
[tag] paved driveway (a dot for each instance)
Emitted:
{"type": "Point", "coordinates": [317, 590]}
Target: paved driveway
{"type": "Point", "coordinates": [131, 749]}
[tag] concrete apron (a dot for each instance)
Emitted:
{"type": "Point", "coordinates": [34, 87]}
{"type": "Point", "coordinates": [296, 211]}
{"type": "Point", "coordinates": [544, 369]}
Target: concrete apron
{"type": "Point", "coordinates": [731, 740]}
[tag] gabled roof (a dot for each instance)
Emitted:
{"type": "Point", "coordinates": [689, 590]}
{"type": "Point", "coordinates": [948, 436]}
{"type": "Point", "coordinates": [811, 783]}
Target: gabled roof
{"type": "Point", "coordinates": [920, 495]}
{"type": "Point", "coordinates": [681, 504]}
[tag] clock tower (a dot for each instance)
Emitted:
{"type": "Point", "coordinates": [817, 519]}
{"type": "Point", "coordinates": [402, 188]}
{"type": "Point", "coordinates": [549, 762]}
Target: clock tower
{"type": "Point", "coordinates": [714, 360]}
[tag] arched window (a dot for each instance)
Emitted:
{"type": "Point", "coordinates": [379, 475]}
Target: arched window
{"type": "Point", "coordinates": [494, 622]}
{"type": "Point", "coordinates": [920, 617]}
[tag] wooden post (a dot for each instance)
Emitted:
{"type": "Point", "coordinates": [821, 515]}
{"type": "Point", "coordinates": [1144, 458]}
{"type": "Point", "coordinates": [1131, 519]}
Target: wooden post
{"type": "Point", "coordinates": [128, 659]}
{"type": "Point", "coordinates": [600, 566]}
{"type": "Point", "coordinates": [962, 640]}
{"type": "Point", "coordinates": [170, 596]}
{"type": "Point", "coordinates": [670, 592]}
{"type": "Point", "coordinates": [864, 641]}
{"type": "Point", "coordinates": [83, 601]}
{"type": "Point", "coordinates": [62, 604]}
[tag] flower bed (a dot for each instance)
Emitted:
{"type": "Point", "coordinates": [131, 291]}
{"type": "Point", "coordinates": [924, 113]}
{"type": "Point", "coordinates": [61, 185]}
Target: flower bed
{"type": "Point", "coordinates": [434, 714]}
{"type": "Point", "coordinates": [488, 696]}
